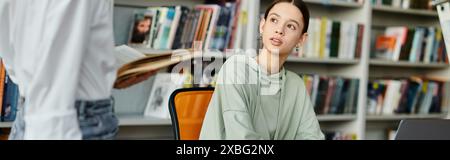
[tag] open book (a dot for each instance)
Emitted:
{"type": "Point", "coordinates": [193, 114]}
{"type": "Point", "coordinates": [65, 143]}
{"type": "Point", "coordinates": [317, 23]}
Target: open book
{"type": "Point", "coordinates": [138, 65]}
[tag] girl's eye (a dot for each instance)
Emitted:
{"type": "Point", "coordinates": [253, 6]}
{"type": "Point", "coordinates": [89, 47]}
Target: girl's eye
{"type": "Point", "coordinates": [290, 26]}
{"type": "Point", "coordinates": [273, 20]}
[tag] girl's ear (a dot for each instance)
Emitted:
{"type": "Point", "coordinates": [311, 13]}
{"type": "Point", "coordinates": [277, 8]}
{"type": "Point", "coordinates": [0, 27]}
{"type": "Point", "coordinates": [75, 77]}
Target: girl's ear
{"type": "Point", "coordinates": [261, 25]}
{"type": "Point", "coordinates": [303, 39]}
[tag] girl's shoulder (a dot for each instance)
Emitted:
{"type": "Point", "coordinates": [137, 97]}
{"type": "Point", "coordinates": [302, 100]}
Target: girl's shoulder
{"type": "Point", "coordinates": [293, 79]}
{"type": "Point", "coordinates": [240, 64]}
{"type": "Point", "coordinates": [293, 76]}
{"type": "Point", "coordinates": [238, 69]}
{"type": "Point", "coordinates": [241, 60]}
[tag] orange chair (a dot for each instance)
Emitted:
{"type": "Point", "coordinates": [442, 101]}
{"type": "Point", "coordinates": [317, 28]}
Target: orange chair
{"type": "Point", "coordinates": [187, 108]}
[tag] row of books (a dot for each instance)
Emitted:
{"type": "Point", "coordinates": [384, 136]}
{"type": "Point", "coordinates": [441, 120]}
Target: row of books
{"type": "Point", "coordinates": [9, 96]}
{"type": "Point", "coordinates": [408, 96]}
{"type": "Point", "coordinates": [333, 39]}
{"type": "Point", "coordinates": [332, 95]}
{"type": "Point", "coordinates": [210, 26]}
{"type": "Point", "coordinates": [420, 44]}
{"type": "Point", "coordinates": [405, 4]}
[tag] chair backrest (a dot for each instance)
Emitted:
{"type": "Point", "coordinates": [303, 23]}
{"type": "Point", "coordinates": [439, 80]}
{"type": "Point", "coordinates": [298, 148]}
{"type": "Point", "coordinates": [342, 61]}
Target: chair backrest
{"type": "Point", "coordinates": [187, 108]}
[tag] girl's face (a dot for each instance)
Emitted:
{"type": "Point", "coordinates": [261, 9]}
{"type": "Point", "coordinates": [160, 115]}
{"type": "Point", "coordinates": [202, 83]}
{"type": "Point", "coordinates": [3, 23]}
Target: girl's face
{"type": "Point", "coordinates": [144, 26]}
{"type": "Point", "coordinates": [282, 29]}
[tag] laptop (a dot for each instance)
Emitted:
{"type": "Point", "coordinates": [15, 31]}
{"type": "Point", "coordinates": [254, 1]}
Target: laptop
{"type": "Point", "coordinates": [423, 130]}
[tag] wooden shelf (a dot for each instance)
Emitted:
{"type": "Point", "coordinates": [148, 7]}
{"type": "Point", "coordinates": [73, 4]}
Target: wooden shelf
{"type": "Point", "coordinates": [140, 120]}
{"type": "Point", "coordinates": [5, 124]}
{"type": "Point", "coordinates": [418, 12]}
{"type": "Point", "coordinates": [334, 118]}
{"type": "Point", "coordinates": [398, 117]}
{"type": "Point", "coordinates": [335, 3]}
{"type": "Point", "coordinates": [323, 61]}
{"type": "Point", "coordinates": [125, 120]}
{"type": "Point", "coordinates": [406, 64]}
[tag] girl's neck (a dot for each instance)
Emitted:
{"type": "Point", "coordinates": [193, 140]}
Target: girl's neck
{"type": "Point", "coordinates": [271, 62]}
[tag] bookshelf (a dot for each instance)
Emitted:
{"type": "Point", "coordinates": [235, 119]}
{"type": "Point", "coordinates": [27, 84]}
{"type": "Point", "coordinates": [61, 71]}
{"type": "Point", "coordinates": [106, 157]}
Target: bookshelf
{"type": "Point", "coordinates": [125, 120]}
{"type": "Point", "coordinates": [377, 126]}
{"type": "Point", "coordinates": [399, 117]}
{"type": "Point", "coordinates": [405, 64]}
{"type": "Point", "coordinates": [334, 3]}
{"type": "Point", "coordinates": [5, 124]}
{"type": "Point", "coordinates": [390, 16]}
{"type": "Point", "coordinates": [336, 118]}
{"type": "Point", "coordinates": [138, 120]}
{"type": "Point", "coordinates": [407, 12]}
{"type": "Point", "coordinates": [323, 61]}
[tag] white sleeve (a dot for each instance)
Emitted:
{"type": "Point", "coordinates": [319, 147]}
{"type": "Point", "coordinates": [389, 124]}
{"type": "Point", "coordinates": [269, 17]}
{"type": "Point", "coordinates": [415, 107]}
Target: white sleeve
{"type": "Point", "coordinates": [50, 105]}
{"type": "Point", "coordinates": [4, 28]}
{"type": "Point", "coordinates": [6, 51]}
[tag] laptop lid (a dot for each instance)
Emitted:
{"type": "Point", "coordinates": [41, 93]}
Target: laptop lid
{"type": "Point", "coordinates": [423, 130]}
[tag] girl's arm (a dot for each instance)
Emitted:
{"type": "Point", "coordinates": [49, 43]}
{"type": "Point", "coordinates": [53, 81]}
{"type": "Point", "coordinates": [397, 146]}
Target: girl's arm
{"type": "Point", "coordinates": [309, 125]}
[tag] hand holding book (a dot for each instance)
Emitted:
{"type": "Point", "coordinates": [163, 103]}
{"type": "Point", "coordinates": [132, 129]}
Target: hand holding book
{"type": "Point", "coordinates": [137, 68]}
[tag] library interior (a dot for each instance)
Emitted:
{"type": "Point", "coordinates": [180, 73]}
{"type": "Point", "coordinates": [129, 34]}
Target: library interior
{"type": "Point", "coordinates": [368, 66]}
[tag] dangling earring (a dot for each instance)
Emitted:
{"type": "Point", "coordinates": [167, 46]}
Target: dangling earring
{"type": "Point", "coordinates": [298, 50]}
{"type": "Point", "coordinates": [260, 44]}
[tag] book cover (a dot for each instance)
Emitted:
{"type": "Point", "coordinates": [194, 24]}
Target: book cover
{"type": "Point", "coordinates": [385, 47]}
{"type": "Point", "coordinates": [141, 26]}
{"type": "Point", "coordinates": [158, 101]}
{"type": "Point", "coordinates": [336, 96]}
{"type": "Point", "coordinates": [181, 32]}
{"type": "Point", "coordinates": [329, 95]}
{"type": "Point", "coordinates": [210, 27]}
{"type": "Point", "coordinates": [359, 42]}
{"type": "Point", "coordinates": [221, 32]}
{"type": "Point", "coordinates": [344, 96]}
{"type": "Point", "coordinates": [413, 92]}
{"type": "Point", "coordinates": [400, 34]}
{"type": "Point", "coordinates": [322, 91]}
{"type": "Point", "coordinates": [335, 34]}
{"type": "Point", "coordinates": [174, 27]}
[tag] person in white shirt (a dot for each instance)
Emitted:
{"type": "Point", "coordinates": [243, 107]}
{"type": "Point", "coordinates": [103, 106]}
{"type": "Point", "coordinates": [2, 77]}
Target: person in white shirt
{"type": "Point", "coordinates": [60, 53]}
